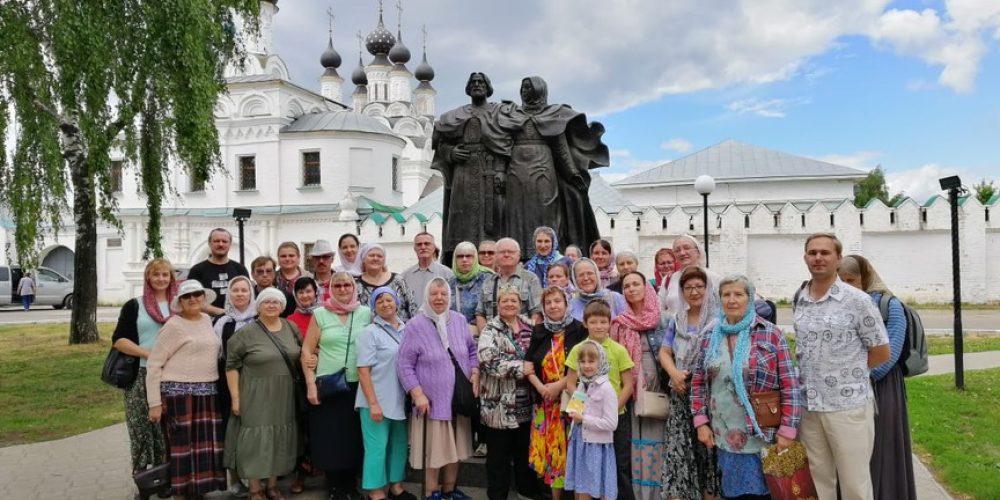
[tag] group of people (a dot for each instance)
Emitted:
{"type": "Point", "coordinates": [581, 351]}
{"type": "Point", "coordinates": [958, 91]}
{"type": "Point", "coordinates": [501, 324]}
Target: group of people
{"type": "Point", "coordinates": [356, 371]}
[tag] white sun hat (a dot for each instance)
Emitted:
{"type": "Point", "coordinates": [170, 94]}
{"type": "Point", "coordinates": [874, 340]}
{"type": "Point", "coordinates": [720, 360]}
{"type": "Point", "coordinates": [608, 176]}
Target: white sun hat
{"type": "Point", "coordinates": [188, 287]}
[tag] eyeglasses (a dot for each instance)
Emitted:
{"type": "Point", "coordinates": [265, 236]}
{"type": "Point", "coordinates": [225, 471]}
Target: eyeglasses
{"type": "Point", "coordinates": [271, 302]}
{"type": "Point", "coordinates": [341, 286]}
{"type": "Point", "coordinates": [695, 288]}
{"type": "Point", "coordinates": [487, 252]}
{"type": "Point", "coordinates": [192, 295]}
{"type": "Point", "coordinates": [507, 252]}
{"type": "Point", "coordinates": [464, 256]}
{"type": "Point", "coordinates": [261, 270]}
{"type": "Point", "coordinates": [323, 257]}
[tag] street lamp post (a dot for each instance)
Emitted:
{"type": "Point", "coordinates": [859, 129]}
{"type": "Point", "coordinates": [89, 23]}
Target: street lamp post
{"type": "Point", "coordinates": [705, 184]}
{"type": "Point", "coordinates": [954, 187]}
{"type": "Point", "coordinates": [241, 215]}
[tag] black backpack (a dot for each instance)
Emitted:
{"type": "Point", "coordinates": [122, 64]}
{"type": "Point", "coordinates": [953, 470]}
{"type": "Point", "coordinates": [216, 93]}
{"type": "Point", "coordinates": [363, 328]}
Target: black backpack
{"type": "Point", "coordinates": [913, 359]}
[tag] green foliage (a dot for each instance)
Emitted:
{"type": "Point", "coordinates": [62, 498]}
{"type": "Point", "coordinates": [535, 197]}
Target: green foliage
{"type": "Point", "coordinates": [874, 186]}
{"type": "Point", "coordinates": [984, 190]}
{"type": "Point", "coordinates": [76, 79]}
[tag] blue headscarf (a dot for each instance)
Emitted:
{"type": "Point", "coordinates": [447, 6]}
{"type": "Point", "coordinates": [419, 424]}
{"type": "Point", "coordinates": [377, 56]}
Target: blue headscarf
{"type": "Point", "coordinates": [378, 293]}
{"type": "Point", "coordinates": [741, 353]}
{"type": "Point", "coordinates": [539, 264]}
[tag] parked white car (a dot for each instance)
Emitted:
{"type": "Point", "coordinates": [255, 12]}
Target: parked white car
{"type": "Point", "coordinates": [51, 288]}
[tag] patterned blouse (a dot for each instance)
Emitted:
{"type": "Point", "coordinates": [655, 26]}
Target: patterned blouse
{"type": "Point", "coordinates": [504, 397]}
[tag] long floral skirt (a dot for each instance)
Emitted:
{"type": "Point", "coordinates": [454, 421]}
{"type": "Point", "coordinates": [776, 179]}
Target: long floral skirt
{"type": "Point", "coordinates": [145, 438]}
{"type": "Point", "coordinates": [689, 468]}
{"type": "Point", "coordinates": [547, 451]}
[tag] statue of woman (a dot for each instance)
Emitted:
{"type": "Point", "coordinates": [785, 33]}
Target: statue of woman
{"type": "Point", "coordinates": [547, 178]}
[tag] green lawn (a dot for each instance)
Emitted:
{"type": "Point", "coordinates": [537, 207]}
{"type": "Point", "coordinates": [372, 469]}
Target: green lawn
{"type": "Point", "coordinates": [970, 343]}
{"type": "Point", "coordinates": [958, 433]}
{"type": "Point", "coordinates": [49, 389]}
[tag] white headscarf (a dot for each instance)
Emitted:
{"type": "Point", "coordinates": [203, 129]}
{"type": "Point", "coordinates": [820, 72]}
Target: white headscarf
{"type": "Point", "coordinates": [241, 318]}
{"type": "Point", "coordinates": [343, 265]}
{"type": "Point", "coordinates": [440, 320]}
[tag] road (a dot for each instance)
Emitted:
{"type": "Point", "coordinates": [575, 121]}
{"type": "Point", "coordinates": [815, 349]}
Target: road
{"type": "Point", "coordinates": [46, 314]}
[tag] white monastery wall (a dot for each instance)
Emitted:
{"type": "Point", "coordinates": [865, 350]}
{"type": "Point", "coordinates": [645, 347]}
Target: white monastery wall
{"type": "Point", "coordinates": [729, 191]}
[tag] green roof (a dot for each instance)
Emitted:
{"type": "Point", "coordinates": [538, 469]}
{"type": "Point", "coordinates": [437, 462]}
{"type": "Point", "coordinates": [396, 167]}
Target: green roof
{"type": "Point", "coordinates": [993, 199]}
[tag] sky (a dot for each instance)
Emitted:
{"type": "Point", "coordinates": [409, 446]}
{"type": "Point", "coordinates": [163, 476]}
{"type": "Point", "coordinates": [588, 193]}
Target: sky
{"type": "Point", "coordinates": [911, 86]}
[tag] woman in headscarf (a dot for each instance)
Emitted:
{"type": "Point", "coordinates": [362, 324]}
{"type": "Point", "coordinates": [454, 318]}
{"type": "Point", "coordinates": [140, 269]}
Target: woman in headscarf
{"type": "Point", "coordinates": [546, 252]}
{"type": "Point", "coordinates": [551, 342]}
{"type": "Point", "coordinates": [334, 426]}
{"type": "Point", "coordinates": [381, 401]}
{"type": "Point", "coordinates": [559, 276]}
{"type": "Point", "coordinates": [640, 330]}
{"type": "Point", "coordinates": [467, 284]}
{"type": "Point", "coordinates": [625, 262]}
{"type": "Point", "coordinates": [348, 261]}
{"type": "Point", "coordinates": [586, 279]}
{"type": "Point", "coordinates": [135, 334]}
{"type": "Point", "coordinates": [239, 310]}
{"type": "Point", "coordinates": [374, 273]}
{"type": "Point", "coordinates": [434, 339]}
{"type": "Point", "coordinates": [665, 264]}
{"type": "Point", "coordinates": [891, 463]}
{"type": "Point", "coordinates": [743, 354]}
{"type": "Point", "coordinates": [689, 468]}
{"type": "Point", "coordinates": [602, 254]}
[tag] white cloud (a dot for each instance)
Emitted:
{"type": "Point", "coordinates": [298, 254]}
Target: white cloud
{"type": "Point", "coordinates": [770, 108]}
{"type": "Point", "coordinates": [620, 153]}
{"type": "Point", "coordinates": [922, 183]}
{"type": "Point", "coordinates": [861, 160]}
{"type": "Point", "coordinates": [677, 144]}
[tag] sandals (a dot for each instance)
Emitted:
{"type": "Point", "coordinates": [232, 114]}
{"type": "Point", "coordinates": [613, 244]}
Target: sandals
{"type": "Point", "coordinates": [257, 495]}
{"type": "Point", "coordinates": [298, 484]}
{"type": "Point", "coordinates": [274, 493]}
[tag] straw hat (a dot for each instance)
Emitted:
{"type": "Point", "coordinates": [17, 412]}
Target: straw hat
{"type": "Point", "coordinates": [320, 248]}
{"type": "Point", "coordinates": [188, 287]}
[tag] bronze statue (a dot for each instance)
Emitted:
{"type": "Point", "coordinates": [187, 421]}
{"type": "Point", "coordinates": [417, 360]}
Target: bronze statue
{"type": "Point", "coordinates": [471, 153]}
{"type": "Point", "coordinates": [547, 178]}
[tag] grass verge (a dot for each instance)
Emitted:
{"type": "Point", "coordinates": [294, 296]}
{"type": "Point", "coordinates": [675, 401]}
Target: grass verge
{"type": "Point", "coordinates": [49, 389]}
{"type": "Point", "coordinates": [956, 433]}
{"type": "Point", "coordinates": [970, 343]}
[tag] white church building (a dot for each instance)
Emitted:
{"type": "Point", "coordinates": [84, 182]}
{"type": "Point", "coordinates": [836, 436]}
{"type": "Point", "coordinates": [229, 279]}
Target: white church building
{"type": "Point", "coordinates": [317, 163]}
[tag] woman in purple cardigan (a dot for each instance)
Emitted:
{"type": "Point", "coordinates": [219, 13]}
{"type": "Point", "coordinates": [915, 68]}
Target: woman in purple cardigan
{"type": "Point", "coordinates": [427, 374]}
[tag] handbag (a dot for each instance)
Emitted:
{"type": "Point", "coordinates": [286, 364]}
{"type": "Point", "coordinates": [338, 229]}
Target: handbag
{"type": "Point", "coordinates": [336, 382]}
{"type": "Point", "coordinates": [120, 369]}
{"type": "Point", "coordinates": [463, 400]}
{"type": "Point", "coordinates": [767, 408]}
{"type": "Point", "coordinates": [652, 404]}
{"type": "Point", "coordinates": [153, 481]}
{"type": "Point", "coordinates": [298, 381]}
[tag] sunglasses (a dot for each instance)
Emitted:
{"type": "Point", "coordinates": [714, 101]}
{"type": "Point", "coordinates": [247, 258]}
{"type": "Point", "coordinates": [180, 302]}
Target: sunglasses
{"type": "Point", "coordinates": [340, 286]}
{"type": "Point", "coordinates": [192, 295]}
{"type": "Point", "coordinates": [487, 252]}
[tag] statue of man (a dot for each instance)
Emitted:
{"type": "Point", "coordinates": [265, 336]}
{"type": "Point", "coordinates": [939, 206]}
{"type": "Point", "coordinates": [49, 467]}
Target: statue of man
{"type": "Point", "coordinates": [470, 152]}
{"type": "Point", "coordinates": [548, 176]}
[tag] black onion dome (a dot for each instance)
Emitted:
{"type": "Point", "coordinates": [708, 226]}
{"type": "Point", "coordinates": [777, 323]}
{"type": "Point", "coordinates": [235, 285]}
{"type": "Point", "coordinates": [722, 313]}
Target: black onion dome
{"type": "Point", "coordinates": [359, 77]}
{"type": "Point", "coordinates": [424, 72]}
{"type": "Point", "coordinates": [379, 41]}
{"type": "Point", "coordinates": [330, 57]}
{"type": "Point", "coordinates": [399, 54]}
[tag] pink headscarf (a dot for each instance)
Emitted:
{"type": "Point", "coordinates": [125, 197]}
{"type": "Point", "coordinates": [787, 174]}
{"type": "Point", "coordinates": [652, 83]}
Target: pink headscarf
{"type": "Point", "coordinates": [626, 327]}
{"type": "Point", "coordinates": [334, 305]}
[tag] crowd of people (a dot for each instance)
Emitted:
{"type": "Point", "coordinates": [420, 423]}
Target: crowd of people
{"type": "Point", "coordinates": [549, 365]}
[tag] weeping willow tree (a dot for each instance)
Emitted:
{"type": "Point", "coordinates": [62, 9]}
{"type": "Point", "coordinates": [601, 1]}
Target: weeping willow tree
{"type": "Point", "coordinates": [80, 80]}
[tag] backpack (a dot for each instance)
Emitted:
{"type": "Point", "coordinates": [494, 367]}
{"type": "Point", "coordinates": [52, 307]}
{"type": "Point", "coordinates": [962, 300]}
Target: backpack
{"type": "Point", "coordinates": [913, 358]}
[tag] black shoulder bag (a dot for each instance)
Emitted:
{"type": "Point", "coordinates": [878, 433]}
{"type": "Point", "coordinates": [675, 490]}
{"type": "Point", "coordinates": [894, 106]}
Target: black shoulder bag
{"type": "Point", "coordinates": [298, 380]}
{"type": "Point", "coordinates": [336, 382]}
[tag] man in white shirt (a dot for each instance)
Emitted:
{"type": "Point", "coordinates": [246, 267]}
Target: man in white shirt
{"type": "Point", "coordinates": [419, 275]}
{"type": "Point", "coordinates": [839, 338]}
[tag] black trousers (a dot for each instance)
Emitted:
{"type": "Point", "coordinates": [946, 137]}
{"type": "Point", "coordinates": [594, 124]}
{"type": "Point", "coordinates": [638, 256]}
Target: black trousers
{"type": "Point", "coordinates": [507, 448]}
{"type": "Point", "coordinates": [623, 454]}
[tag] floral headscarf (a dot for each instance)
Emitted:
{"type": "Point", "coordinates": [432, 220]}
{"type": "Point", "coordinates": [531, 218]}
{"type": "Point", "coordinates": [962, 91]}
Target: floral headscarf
{"type": "Point", "coordinates": [626, 328]}
{"type": "Point", "coordinates": [333, 305]}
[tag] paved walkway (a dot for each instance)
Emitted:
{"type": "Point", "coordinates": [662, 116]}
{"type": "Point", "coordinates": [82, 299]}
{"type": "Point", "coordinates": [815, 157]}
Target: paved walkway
{"type": "Point", "coordinates": [95, 465]}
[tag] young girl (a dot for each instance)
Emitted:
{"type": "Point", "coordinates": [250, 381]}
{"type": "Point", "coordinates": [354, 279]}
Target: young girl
{"type": "Point", "coordinates": [591, 469]}
{"type": "Point", "coordinates": [597, 319]}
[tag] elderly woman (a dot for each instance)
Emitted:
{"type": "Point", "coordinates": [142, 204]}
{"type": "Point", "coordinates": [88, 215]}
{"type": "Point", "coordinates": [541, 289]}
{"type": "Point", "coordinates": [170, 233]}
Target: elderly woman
{"type": "Point", "coordinates": [665, 264]}
{"type": "Point", "coordinates": [689, 468]}
{"type": "Point", "coordinates": [572, 253]}
{"type": "Point", "coordinates": [181, 376]}
{"type": "Point", "coordinates": [348, 261]}
{"type": "Point", "coordinates": [744, 354]}
{"type": "Point", "coordinates": [546, 253]}
{"type": "Point", "coordinates": [640, 330]}
{"type": "Point", "coordinates": [466, 285]}
{"type": "Point", "coordinates": [138, 326]}
{"type": "Point", "coordinates": [375, 274]}
{"type": "Point", "coordinates": [589, 286]}
{"type": "Point", "coordinates": [381, 400]}
{"type": "Point", "coordinates": [334, 427]}
{"type": "Point", "coordinates": [551, 342]}
{"type": "Point", "coordinates": [262, 443]}
{"type": "Point", "coordinates": [602, 255]}
{"type": "Point", "coordinates": [688, 252]}
{"type": "Point", "coordinates": [434, 342]}
{"type": "Point", "coordinates": [505, 397]}
{"type": "Point", "coordinates": [891, 463]}
{"type": "Point", "coordinates": [289, 267]}
{"type": "Point", "coordinates": [625, 262]}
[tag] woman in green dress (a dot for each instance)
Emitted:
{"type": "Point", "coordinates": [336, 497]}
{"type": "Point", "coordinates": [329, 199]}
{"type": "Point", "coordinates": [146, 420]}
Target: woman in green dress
{"type": "Point", "coordinates": [262, 437]}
